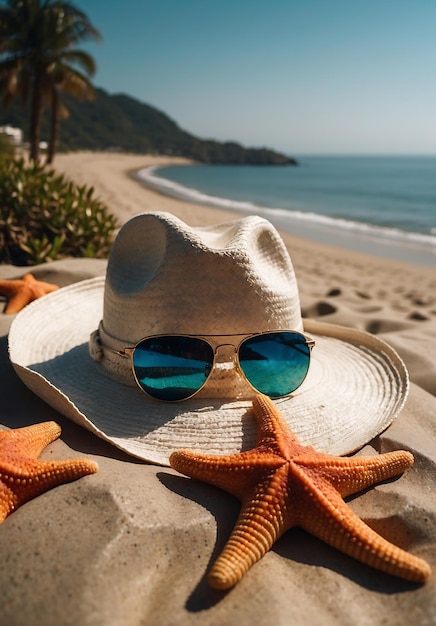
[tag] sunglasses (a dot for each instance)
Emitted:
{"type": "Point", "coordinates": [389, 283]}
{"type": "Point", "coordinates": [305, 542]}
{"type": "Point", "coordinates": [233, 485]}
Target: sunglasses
{"type": "Point", "coordinates": [176, 367]}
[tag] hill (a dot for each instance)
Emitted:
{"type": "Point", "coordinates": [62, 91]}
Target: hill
{"type": "Point", "coordinates": [120, 122]}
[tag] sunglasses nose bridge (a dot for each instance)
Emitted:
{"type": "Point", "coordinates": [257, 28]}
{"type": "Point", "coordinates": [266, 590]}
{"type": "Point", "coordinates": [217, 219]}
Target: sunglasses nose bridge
{"type": "Point", "coordinates": [225, 353]}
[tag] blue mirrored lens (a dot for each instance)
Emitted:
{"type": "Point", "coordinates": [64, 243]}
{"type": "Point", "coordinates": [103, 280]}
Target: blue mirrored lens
{"type": "Point", "coordinates": [172, 368]}
{"type": "Point", "coordinates": [275, 363]}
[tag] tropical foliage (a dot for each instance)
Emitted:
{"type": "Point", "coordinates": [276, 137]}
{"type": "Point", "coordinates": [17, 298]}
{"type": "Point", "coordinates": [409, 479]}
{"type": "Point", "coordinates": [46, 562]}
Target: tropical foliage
{"type": "Point", "coordinates": [44, 217]}
{"type": "Point", "coordinates": [39, 61]}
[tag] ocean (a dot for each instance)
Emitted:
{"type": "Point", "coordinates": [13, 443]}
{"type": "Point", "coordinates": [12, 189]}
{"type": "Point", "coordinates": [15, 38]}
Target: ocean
{"type": "Point", "coordinates": [373, 204]}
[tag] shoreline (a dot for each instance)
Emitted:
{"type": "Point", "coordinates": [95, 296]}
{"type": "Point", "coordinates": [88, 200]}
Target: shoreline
{"type": "Point", "coordinates": [116, 182]}
{"type": "Point", "coordinates": [386, 242]}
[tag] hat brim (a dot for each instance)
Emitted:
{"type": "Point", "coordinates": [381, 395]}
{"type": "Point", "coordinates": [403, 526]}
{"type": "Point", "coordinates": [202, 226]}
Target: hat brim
{"type": "Point", "coordinates": [356, 386]}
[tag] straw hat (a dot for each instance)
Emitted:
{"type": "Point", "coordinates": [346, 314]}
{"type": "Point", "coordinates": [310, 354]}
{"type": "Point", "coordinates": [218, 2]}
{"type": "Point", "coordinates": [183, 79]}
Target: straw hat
{"type": "Point", "coordinates": [166, 277]}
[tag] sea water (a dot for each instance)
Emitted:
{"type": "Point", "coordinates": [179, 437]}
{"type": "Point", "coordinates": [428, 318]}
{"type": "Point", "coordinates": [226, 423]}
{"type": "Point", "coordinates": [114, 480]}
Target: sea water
{"type": "Point", "coordinates": [379, 205]}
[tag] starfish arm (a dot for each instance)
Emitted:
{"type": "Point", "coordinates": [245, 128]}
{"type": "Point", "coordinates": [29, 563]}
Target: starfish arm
{"type": "Point", "coordinates": [6, 501]}
{"type": "Point", "coordinates": [38, 288]}
{"type": "Point", "coordinates": [274, 434]}
{"type": "Point", "coordinates": [262, 520]}
{"type": "Point", "coordinates": [349, 475]}
{"type": "Point", "coordinates": [22, 483]}
{"type": "Point", "coordinates": [335, 523]}
{"type": "Point", "coordinates": [28, 441]}
{"type": "Point", "coordinates": [20, 292]}
{"type": "Point", "coordinates": [16, 302]}
{"type": "Point", "coordinates": [234, 473]}
{"type": "Point", "coordinates": [8, 287]}
{"type": "Point", "coordinates": [16, 294]}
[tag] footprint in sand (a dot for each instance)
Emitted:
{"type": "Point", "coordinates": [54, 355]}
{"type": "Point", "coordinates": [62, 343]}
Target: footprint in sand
{"type": "Point", "coordinates": [368, 308]}
{"type": "Point", "coordinates": [363, 295]}
{"type": "Point", "coordinates": [376, 327]}
{"type": "Point", "coordinates": [418, 317]}
{"type": "Point", "coordinates": [319, 309]}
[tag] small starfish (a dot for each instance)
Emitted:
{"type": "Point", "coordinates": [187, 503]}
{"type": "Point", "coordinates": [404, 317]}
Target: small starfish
{"type": "Point", "coordinates": [22, 476]}
{"type": "Point", "coordinates": [282, 484]}
{"type": "Point", "coordinates": [22, 291]}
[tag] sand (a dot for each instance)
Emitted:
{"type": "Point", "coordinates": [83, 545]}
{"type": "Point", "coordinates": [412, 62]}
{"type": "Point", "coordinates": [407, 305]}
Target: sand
{"type": "Point", "coordinates": [132, 544]}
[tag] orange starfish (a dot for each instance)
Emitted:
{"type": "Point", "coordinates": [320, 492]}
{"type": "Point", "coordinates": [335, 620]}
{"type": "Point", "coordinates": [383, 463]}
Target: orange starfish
{"type": "Point", "coordinates": [22, 476]}
{"type": "Point", "coordinates": [20, 292]}
{"type": "Point", "coordinates": [283, 484]}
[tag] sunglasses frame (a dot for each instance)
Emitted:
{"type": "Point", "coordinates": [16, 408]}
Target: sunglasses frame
{"type": "Point", "coordinates": [128, 352]}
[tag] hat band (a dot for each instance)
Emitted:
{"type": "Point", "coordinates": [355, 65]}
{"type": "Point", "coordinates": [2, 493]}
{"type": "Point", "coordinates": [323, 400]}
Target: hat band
{"type": "Point", "coordinates": [103, 350]}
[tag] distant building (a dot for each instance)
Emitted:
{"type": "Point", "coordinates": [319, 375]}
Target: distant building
{"type": "Point", "coordinates": [14, 134]}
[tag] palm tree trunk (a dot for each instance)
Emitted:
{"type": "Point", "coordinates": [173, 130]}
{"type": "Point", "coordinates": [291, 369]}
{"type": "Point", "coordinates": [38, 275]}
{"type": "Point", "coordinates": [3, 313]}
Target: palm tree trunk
{"type": "Point", "coordinates": [54, 128]}
{"type": "Point", "coordinates": [35, 120]}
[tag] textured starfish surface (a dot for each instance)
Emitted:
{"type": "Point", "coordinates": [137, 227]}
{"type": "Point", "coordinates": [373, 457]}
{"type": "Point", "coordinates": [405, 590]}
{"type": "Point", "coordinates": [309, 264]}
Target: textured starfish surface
{"type": "Point", "coordinates": [23, 476]}
{"type": "Point", "coordinates": [22, 291]}
{"type": "Point", "coordinates": [282, 484]}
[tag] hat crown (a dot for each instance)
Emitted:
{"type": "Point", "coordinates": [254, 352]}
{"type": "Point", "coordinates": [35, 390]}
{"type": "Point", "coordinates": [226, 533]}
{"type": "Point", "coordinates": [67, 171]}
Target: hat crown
{"type": "Point", "coordinates": [166, 277]}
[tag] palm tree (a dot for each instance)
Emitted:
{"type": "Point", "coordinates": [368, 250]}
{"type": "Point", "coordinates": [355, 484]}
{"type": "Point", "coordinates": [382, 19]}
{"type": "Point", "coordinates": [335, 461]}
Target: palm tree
{"type": "Point", "coordinates": [38, 60]}
{"type": "Point", "coordinates": [68, 27]}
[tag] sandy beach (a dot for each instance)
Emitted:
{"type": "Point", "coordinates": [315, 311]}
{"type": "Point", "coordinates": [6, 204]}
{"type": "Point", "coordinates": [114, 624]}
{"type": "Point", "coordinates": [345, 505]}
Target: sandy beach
{"type": "Point", "coordinates": [132, 544]}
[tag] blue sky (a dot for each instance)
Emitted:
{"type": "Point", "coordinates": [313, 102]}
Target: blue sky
{"type": "Point", "coordinates": [300, 76]}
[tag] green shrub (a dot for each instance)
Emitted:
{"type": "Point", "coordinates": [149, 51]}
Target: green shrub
{"type": "Point", "coordinates": [44, 217]}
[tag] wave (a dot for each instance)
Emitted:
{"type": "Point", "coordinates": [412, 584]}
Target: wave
{"type": "Point", "coordinates": [176, 190]}
{"type": "Point", "coordinates": [288, 218]}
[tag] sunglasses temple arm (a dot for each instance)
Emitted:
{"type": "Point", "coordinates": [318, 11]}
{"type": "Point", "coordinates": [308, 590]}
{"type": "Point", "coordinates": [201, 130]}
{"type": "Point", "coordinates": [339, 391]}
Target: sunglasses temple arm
{"type": "Point", "coordinates": [126, 353]}
{"type": "Point", "coordinates": [309, 342]}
